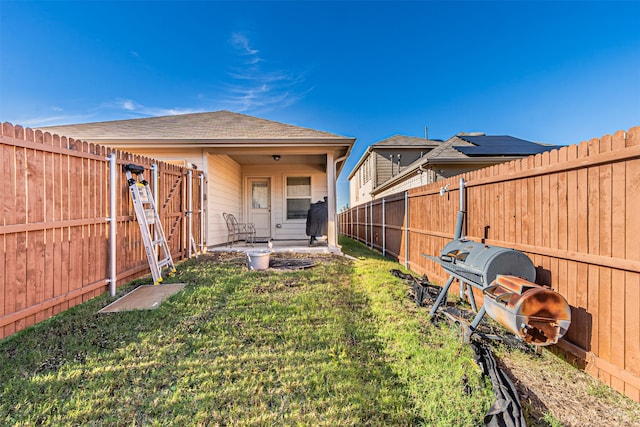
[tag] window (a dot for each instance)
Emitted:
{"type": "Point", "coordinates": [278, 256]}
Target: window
{"type": "Point", "coordinates": [298, 197]}
{"type": "Point", "coordinates": [259, 195]}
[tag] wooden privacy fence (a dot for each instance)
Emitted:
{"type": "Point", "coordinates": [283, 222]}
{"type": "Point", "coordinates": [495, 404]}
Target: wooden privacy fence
{"type": "Point", "coordinates": [574, 211]}
{"type": "Point", "coordinates": [55, 198]}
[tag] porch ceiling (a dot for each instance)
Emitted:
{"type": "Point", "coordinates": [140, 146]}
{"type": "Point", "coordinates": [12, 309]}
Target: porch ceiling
{"type": "Point", "coordinates": [287, 159]}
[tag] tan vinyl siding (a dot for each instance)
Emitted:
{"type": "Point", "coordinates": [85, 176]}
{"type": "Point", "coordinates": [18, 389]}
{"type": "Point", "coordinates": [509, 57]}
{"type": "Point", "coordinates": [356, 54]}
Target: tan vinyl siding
{"type": "Point", "coordinates": [383, 168]}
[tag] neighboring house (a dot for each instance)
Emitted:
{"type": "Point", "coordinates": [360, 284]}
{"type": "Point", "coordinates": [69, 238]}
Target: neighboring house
{"type": "Point", "coordinates": [262, 171]}
{"type": "Point", "coordinates": [384, 160]}
{"type": "Point", "coordinates": [461, 153]}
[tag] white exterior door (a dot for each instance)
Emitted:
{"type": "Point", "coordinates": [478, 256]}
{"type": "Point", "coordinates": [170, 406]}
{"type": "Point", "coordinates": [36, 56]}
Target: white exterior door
{"type": "Point", "coordinates": [259, 204]}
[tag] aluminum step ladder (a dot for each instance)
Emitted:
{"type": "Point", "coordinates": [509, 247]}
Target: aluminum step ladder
{"type": "Point", "coordinates": [158, 253]}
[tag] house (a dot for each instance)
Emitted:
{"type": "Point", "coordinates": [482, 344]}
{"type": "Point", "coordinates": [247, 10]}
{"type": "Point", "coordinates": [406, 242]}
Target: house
{"type": "Point", "coordinates": [264, 172]}
{"type": "Point", "coordinates": [384, 160]}
{"type": "Point", "coordinates": [461, 153]}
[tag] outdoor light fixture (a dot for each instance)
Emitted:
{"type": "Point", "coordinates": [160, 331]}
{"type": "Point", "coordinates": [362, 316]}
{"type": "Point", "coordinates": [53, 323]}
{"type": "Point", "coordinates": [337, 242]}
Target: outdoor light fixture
{"type": "Point", "coordinates": [276, 157]}
{"type": "Point", "coordinates": [444, 189]}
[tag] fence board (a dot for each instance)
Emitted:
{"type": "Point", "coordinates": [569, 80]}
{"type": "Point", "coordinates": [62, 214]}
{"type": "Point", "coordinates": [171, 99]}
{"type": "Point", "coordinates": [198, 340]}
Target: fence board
{"type": "Point", "coordinates": [632, 251]}
{"type": "Point", "coordinates": [20, 192]}
{"type": "Point", "coordinates": [35, 255]}
{"type": "Point", "coordinates": [5, 289]}
{"type": "Point", "coordinates": [521, 195]}
{"type": "Point", "coordinates": [49, 180]}
{"type": "Point", "coordinates": [512, 205]}
{"type": "Point", "coordinates": [539, 203]}
{"type": "Point", "coordinates": [632, 330]}
{"type": "Point", "coordinates": [87, 211]}
{"type": "Point", "coordinates": [619, 312]}
{"type": "Point", "coordinates": [546, 203]}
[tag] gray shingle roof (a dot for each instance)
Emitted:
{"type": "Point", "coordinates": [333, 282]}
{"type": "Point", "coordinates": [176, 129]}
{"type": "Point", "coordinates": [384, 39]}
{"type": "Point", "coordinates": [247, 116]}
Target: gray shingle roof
{"type": "Point", "coordinates": [218, 125]}
{"type": "Point", "coordinates": [406, 141]}
{"type": "Point", "coordinates": [447, 151]}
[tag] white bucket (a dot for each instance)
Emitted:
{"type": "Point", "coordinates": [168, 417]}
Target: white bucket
{"type": "Point", "coordinates": [258, 260]}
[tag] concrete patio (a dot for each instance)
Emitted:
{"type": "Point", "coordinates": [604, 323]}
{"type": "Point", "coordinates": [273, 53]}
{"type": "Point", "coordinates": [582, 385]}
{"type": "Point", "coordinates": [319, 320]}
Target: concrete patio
{"type": "Point", "coordinates": [280, 246]}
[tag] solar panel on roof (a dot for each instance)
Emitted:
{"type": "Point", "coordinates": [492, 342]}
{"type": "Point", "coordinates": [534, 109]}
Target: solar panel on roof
{"type": "Point", "coordinates": [500, 145]}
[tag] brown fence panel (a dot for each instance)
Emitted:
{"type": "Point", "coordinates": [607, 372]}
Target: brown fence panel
{"type": "Point", "coordinates": [574, 212]}
{"type": "Point", "coordinates": [394, 226]}
{"type": "Point", "coordinates": [172, 206]}
{"type": "Point", "coordinates": [375, 228]}
{"type": "Point", "coordinates": [54, 229]}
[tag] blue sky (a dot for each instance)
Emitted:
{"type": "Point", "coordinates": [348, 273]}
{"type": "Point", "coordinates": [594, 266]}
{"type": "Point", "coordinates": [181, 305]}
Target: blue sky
{"type": "Point", "coordinates": [547, 71]}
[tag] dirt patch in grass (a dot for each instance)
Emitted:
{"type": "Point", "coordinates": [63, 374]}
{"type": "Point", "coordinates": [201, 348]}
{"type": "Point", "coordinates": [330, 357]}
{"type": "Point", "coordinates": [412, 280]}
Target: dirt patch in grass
{"type": "Point", "coordinates": [549, 385]}
{"type": "Point", "coordinates": [552, 391]}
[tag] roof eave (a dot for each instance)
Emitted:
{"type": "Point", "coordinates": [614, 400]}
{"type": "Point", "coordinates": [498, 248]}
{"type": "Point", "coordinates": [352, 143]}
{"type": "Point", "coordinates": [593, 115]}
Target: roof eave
{"type": "Point", "coordinates": [223, 143]}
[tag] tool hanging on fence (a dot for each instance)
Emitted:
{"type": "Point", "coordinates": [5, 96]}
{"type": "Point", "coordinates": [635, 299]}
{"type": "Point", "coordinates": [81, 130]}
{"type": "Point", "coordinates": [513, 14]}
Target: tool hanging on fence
{"type": "Point", "coordinates": [147, 215]}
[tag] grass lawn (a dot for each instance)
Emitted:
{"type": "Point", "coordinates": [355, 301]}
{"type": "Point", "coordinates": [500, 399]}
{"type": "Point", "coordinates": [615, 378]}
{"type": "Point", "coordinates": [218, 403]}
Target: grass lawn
{"type": "Point", "coordinates": [339, 344]}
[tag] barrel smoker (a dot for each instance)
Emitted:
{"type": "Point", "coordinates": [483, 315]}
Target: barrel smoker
{"type": "Point", "coordinates": [535, 314]}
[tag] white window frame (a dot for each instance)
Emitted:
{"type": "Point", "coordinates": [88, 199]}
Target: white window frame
{"type": "Point", "coordinates": [286, 196]}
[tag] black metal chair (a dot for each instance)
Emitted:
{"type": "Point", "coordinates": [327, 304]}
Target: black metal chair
{"type": "Point", "coordinates": [238, 230]}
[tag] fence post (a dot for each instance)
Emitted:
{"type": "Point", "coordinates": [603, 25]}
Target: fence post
{"type": "Point", "coordinates": [371, 222]}
{"type": "Point", "coordinates": [154, 179]}
{"type": "Point", "coordinates": [366, 225]}
{"type": "Point", "coordinates": [351, 233]}
{"type": "Point", "coordinates": [156, 192]}
{"type": "Point", "coordinates": [358, 224]}
{"type": "Point", "coordinates": [406, 229]}
{"type": "Point", "coordinates": [384, 234]}
{"type": "Point", "coordinates": [113, 224]}
{"type": "Point", "coordinates": [202, 219]}
{"type": "Point", "coordinates": [189, 209]}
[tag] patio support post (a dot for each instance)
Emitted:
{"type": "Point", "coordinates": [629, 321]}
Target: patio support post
{"type": "Point", "coordinates": [113, 223]}
{"type": "Point", "coordinates": [332, 226]}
